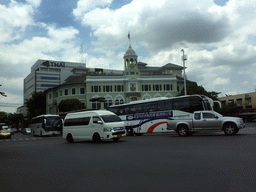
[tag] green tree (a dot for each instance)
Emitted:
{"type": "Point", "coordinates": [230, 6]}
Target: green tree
{"type": "Point", "coordinates": [36, 105]}
{"type": "Point", "coordinates": [69, 105]}
{"type": "Point", "coordinates": [193, 88]}
{"type": "Point", "coordinates": [3, 117]}
{"type": "Point", "coordinates": [16, 120]}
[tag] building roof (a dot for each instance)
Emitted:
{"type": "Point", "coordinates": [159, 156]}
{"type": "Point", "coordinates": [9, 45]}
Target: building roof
{"type": "Point", "coordinates": [75, 79]}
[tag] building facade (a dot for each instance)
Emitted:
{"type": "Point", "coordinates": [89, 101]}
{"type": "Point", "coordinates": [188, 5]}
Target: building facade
{"type": "Point", "coordinates": [47, 74]}
{"type": "Point", "coordinates": [245, 102]}
{"type": "Point", "coordinates": [137, 82]}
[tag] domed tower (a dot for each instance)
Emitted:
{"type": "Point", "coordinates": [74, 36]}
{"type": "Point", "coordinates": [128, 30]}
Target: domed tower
{"type": "Point", "coordinates": [131, 63]}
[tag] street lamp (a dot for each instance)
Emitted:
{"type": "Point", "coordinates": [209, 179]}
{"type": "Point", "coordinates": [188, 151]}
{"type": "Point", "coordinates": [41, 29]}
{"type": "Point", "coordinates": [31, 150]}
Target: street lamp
{"type": "Point", "coordinates": [183, 58]}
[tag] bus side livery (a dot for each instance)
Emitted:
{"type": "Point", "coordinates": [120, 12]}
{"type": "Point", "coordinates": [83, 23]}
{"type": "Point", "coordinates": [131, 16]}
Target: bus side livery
{"type": "Point", "coordinates": [151, 115]}
{"type": "Point", "coordinates": [46, 125]}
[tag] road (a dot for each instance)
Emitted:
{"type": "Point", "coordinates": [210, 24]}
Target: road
{"type": "Point", "coordinates": [152, 162]}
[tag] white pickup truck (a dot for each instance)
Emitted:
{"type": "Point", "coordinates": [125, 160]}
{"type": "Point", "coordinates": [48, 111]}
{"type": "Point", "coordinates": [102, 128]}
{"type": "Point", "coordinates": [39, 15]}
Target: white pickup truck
{"type": "Point", "coordinates": [205, 121]}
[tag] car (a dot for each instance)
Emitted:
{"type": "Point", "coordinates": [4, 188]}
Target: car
{"type": "Point", "coordinates": [5, 134]}
{"type": "Point", "coordinates": [11, 130]}
{"type": "Point", "coordinates": [16, 131]}
{"type": "Point", "coordinates": [27, 131]}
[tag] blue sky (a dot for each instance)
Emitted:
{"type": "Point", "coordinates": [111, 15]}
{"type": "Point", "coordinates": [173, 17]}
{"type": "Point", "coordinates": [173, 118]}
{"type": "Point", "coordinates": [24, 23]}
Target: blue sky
{"type": "Point", "coordinates": [218, 37]}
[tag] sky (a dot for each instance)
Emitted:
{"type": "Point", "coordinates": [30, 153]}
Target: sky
{"type": "Point", "coordinates": [218, 37]}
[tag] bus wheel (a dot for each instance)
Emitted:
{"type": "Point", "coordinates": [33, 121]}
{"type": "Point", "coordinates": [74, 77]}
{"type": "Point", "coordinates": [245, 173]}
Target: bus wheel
{"type": "Point", "coordinates": [116, 139]}
{"type": "Point", "coordinates": [230, 129]}
{"type": "Point", "coordinates": [70, 138]}
{"type": "Point", "coordinates": [96, 138]}
{"type": "Point", "coordinates": [183, 130]}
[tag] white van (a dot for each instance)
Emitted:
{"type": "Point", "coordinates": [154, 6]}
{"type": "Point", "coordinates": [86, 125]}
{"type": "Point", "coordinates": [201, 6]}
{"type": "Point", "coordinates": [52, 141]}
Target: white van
{"type": "Point", "coordinates": [93, 125]}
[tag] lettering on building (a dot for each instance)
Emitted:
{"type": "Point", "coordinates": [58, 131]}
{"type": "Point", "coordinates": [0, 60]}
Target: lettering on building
{"type": "Point", "coordinates": [53, 64]}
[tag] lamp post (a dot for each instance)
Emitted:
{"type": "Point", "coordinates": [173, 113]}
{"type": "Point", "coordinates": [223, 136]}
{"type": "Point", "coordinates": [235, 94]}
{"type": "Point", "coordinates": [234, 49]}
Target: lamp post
{"type": "Point", "coordinates": [183, 58]}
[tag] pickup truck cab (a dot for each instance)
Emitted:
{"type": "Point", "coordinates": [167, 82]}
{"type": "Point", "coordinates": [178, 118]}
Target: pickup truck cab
{"type": "Point", "coordinates": [205, 121]}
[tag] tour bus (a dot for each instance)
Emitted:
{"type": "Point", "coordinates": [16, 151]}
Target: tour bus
{"type": "Point", "coordinates": [46, 125]}
{"type": "Point", "coordinates": [151, 115]}
{"type": "Point", "coordinates": [94, 125]}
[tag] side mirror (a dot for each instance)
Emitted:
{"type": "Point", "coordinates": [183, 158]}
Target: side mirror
{"type": "Point", "coordinates": [99, 122]}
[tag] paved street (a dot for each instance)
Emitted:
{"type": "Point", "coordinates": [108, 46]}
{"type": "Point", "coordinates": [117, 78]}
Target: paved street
{"type": "Point", "coordinates": [152, 162]}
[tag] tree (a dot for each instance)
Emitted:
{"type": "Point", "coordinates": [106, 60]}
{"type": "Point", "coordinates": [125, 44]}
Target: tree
{"type": "Point", "coordinates": [36, 105]}
{"type": "Point", "coordinates": [69, 105]}
{"type": "Point", "coordinates": [3, 117]}
{"type": "Point", "coordinates": [193, 88]}
{"type": "Point", "coordinates": [16, 120]}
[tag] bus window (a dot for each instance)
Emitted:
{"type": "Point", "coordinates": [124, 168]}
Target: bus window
{"type": "Point", "coordinates": [126, 110]}
{"type": "Point", "coordinates": [196, 104]}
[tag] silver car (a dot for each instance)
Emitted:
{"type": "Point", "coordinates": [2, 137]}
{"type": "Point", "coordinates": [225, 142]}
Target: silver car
{"type": "Point", "coordinates": [27, 131]}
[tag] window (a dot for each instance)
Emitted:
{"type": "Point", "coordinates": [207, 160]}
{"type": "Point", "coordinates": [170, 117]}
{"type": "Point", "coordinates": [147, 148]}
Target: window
{"type": "Point", "coordinates": [96, 105]}
{"type": "Point", "coordinates": [60, 92]}
{"type": "Point", "coordinates": [50, 95]}
{"type": "Point", "coordinates": [168, 87]}
{"type": "Point", "coordinates": [107, 103]}
{"type": "Point", "coordinates": [82, 91]}
{"type": "Point", "coordinates": [96, 88]}
{"type": "Point", "coordinates": [197, 116]}
{"type": "Point", "coordinates": [77, 121]}
{"type": "Point", "coordinates": [157, 87]}
{"type": "Point", "coordinates": [56, 94]}
{"type": "Point", "coordinates": [66, 92]}
{"type": "Point", "coordinates": [119, 88]}
{"type": "Point", "coordinates": [107, 88]}
{"type": "Point", "coordinates": [95, 119]}
{"type": "Point", "coordinates": [208, 116]}
{"type": "Point", "coordinates": [73, 91]}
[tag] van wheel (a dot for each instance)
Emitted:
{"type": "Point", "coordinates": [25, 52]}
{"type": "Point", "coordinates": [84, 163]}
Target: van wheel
{"type": "Point", "coordinates": [70, 138]}
{"type": "Point", "coordinates": [230, 129]}
{"type": "Point", "coordinates": [96, 138]}
{"type": "Point", "coordinates": [116, 139]}
{"type": "Point", "coordinates": [183, 130]}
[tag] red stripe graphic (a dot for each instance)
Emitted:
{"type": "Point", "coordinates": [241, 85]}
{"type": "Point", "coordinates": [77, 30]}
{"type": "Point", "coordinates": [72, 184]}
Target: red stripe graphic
{"type": "Point", "coordinates": [151, 129]}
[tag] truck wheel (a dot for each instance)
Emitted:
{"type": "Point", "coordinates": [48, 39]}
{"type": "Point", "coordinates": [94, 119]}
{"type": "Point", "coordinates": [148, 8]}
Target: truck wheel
{"type": "Point", "coordinates": [129, 131]}
{"type": "Point", "coordinates": [230, 129]}
{"type": "Point", "coordinates": [183, 130]}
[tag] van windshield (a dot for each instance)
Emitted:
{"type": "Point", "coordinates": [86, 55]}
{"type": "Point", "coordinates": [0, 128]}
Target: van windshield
{"type": "Point", "coordinates": [110, 118]}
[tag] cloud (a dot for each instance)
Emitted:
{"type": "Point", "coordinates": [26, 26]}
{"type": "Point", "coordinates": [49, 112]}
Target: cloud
{"type": "Point", "coordinates": [15, 18]}
{"type": "Point", "coordinates": [35, 3]}
{"type": "Point", "coordinates": [84, 6]}
{"type": "Point", "coordinates": [155, 26]}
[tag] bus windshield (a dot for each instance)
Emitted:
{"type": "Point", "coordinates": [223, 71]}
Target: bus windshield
{"type": "Point", "coordinates": [52, 122]}
{"type": "Point", "coordinates": [111, 118]}
{"type": "Point", "coordinates": [208, 103]}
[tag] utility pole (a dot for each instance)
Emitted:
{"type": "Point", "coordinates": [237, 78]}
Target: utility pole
{"type": "Point", "coordinates": [183, 58]}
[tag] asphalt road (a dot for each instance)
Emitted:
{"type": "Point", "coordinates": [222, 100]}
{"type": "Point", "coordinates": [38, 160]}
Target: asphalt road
{"type": "Point", "coordinates": [152, 162]}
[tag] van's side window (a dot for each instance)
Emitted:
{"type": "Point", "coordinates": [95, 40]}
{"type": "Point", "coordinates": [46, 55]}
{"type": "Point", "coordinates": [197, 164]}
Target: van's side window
{"type": "Point", "coordinates": [77, 121]}
{"type": "Point", "coordinates": [95, 119]}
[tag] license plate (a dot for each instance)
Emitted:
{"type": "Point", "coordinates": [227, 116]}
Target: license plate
{"type": "Point", "coordinates": [119, 135]}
